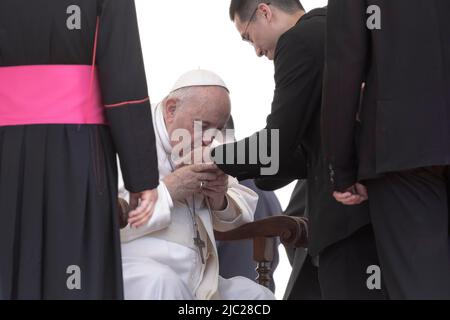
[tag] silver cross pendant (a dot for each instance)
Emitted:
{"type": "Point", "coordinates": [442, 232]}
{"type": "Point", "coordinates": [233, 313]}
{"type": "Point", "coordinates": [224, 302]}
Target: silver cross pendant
{"type": "Point", "coordinates": [200, 244]}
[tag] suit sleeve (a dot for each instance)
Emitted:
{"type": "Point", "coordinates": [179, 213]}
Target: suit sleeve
{"type": "Point", "coordinates": [272, 184]}
{"type": "Point", "coordinates": [298, 78]}
{"type": "Point", "coordinates": [125, 94]}
{"type": "Point", "coordinates": [345, 68]}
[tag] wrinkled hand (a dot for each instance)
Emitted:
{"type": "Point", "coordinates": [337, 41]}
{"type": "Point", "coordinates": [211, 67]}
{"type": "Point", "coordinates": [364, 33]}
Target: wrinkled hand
{"type": "Point", "coordinates": [354, 195]}
{"type": "Point", "coordinates": [215, 192]}
{"type": "Point", "coordinates": [185, 181]}
{"type": "Point", "coordinates": [142, 205]}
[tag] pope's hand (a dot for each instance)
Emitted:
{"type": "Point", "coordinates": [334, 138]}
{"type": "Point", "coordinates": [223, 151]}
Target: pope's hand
{"type": "Point", "coordinates": [142, 206]}
{"type": "Point", "coordinates": [216, 191]}
{"type": "Point", "coordinates": [187, 180]}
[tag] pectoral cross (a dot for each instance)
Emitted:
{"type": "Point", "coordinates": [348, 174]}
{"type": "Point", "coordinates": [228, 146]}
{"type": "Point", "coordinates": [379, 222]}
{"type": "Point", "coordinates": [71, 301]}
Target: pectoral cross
{"type": "Point", "coordinates": [200, 244]}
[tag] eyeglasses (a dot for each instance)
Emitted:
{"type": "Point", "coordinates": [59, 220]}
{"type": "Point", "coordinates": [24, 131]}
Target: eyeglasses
{"type": "Point", "coordinates": [245, 35]}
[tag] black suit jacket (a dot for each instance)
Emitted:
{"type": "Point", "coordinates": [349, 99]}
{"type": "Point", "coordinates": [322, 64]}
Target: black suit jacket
{"type": "Point", "coordinates": [299, 62]}
{"type": "Point", "coordinates": [405, 113]}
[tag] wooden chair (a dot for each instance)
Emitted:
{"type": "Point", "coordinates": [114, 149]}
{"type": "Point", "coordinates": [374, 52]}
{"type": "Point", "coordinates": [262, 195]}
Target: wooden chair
{"type": "Point", "coordinates": [292, 231]}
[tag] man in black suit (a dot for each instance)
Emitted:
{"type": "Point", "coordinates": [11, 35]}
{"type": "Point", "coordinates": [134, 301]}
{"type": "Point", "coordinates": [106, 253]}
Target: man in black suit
{"type": "Point", "coordinates": [401, 50]}
{"type": "Point", "coordinates": [303, 283]}
{"type": "Point", "coordinates": [340, 236]}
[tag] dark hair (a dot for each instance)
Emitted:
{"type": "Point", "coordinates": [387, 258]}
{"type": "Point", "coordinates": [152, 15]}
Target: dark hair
{"type": "Point", "coordinates": [245, 8]}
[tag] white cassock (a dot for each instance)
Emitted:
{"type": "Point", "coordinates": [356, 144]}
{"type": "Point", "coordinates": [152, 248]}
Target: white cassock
{"type": "Point", "coordinates": [160, 260]}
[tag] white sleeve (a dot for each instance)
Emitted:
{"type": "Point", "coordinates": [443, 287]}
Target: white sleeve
{"type": "Point", "coordinates": [240, 209]}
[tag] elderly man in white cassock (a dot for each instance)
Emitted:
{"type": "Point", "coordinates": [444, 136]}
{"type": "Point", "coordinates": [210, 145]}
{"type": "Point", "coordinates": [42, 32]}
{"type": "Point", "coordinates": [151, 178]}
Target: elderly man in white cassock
{"type": "Point", "coordinates": [174, 256]}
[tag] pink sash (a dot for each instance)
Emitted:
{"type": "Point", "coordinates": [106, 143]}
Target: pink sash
{"type": "Point", "coordinates": [50, 94]}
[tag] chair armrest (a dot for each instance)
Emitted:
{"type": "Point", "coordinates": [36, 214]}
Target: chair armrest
{"type": "Point", "coordinates": [293, 231]}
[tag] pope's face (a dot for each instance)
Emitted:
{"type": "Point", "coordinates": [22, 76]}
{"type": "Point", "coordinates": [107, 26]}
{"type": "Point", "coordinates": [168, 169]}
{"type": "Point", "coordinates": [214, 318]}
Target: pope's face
{"type": "Point", "coordinates": [203, 108]}
{"type": "Point", "coordinates": [260, 33]}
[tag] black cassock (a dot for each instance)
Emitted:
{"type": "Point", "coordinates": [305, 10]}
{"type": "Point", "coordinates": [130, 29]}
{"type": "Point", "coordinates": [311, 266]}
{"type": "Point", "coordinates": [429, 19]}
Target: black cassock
{"type": "Point", "coordinates": [59, 233]}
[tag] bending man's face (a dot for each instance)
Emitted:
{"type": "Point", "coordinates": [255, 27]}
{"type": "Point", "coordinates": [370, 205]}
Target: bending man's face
{"type": "Point", "coordinates": [203, 108]}
{"type": "Point", "coordinates": [259, 32]}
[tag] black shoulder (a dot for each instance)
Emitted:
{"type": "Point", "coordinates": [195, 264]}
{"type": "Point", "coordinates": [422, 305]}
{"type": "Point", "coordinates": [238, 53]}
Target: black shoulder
{"type": "Point", "coordinates": [307, 35]}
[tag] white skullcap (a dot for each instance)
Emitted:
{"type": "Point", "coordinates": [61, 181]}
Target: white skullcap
{"type": "Point", "coordinates": [197, 78]}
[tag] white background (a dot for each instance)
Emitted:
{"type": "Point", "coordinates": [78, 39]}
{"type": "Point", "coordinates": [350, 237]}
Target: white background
{"type": "Point", "coordinates": [181, 35]}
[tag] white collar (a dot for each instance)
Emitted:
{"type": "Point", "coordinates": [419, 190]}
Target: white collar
{"type": "Point", "coordinates": [162, 130]}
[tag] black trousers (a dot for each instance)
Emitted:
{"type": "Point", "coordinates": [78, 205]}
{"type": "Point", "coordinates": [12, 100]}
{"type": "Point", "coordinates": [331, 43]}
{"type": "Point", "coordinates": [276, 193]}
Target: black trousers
{"type": "Point", "coordinates": [306, 286]}
{"type": "Point", "coordinates": [410, 216]}
{"type": "Point", "coordinates": [343, 268]}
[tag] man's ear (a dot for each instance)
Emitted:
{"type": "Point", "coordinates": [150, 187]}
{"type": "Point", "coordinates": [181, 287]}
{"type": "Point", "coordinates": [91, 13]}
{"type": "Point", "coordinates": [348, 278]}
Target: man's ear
{"type": "Point", "coordinates": [266, 10]}
{"type": "Point", "coordinates": [170, 108]}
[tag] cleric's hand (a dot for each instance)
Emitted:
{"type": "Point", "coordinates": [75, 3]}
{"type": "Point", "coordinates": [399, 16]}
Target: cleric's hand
{"type": "Point", "coordinates": [142, 206]}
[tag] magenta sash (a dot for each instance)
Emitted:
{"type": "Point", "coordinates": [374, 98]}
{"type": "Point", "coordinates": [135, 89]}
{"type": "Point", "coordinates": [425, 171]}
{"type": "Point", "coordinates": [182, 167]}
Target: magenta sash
{"type": "Point", "coordinates": [50, 94]}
